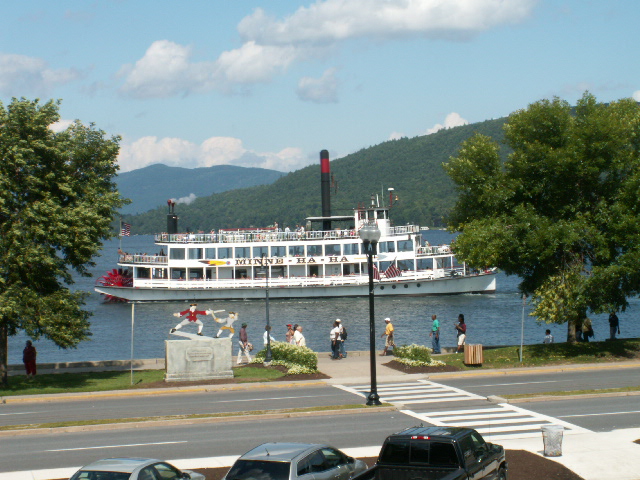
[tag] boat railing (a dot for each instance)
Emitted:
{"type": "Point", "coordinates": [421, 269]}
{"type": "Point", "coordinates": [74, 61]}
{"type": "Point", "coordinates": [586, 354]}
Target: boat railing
{"type": "Point", "coordinates": [143, 258]}
{"type": "Point", "coordinates": [253, 236]}
{"type": "Point", "coordinates": [282, 282]}
{"type": "Point", "coordinates": [434, 250]}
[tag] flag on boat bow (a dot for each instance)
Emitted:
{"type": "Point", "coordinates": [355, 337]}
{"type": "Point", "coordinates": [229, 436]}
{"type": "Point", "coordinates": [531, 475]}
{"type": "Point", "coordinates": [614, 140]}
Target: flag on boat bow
{"type": "Point", "coordinates": [126, 230]}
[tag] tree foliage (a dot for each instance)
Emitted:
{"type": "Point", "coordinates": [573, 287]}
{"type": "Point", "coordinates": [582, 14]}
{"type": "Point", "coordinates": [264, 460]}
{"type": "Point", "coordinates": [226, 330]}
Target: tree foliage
{"type": "Point", "coordinates": [57, 201]}
{"type": "Point", "coordinates": [562, 212]}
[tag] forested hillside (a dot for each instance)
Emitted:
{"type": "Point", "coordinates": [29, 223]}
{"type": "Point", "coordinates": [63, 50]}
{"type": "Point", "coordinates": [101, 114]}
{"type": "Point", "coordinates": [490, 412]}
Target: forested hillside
{"type": "Point", "coordinates": [412, 166]}
{"type": "Point", "coordinates": [150, 187]}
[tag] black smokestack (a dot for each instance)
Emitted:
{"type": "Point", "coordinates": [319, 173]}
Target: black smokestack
{"type": "Point", "coordinates": [325, 185]}
{"type": "Point", "coordinates": [172, 219]}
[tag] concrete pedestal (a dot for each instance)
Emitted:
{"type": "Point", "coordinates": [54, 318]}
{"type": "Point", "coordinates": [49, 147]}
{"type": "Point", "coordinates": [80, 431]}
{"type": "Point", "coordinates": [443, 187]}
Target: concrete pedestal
{"type": "Point", "coordinates": [199, 358]}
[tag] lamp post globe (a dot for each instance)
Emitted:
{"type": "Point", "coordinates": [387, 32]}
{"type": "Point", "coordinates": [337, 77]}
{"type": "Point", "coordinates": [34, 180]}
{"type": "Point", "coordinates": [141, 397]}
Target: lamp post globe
{"type": "Point", "coordinates": [370, 235]}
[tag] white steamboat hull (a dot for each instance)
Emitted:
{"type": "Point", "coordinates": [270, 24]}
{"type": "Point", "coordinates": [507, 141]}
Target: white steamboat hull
{"type": "Point", "coordinates": [482, 283]}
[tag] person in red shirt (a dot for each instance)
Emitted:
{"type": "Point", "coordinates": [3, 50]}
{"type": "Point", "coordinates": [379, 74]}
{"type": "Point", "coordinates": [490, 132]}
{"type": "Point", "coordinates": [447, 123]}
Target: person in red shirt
{"type": "Point", "coordinates": [29, 359]}
{"type": "Point", "coordinates": [192, 317]}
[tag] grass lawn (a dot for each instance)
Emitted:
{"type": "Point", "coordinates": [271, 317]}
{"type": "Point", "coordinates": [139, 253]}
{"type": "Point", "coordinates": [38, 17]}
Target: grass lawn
{"type": "Point", "coordinates": [104, 381]}
{"type": "Point", "coordinates": [552, 354]}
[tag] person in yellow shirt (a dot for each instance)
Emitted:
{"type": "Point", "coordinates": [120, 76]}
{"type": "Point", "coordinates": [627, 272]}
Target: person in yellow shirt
{"type": "Point", "coordinates": [388, 331]}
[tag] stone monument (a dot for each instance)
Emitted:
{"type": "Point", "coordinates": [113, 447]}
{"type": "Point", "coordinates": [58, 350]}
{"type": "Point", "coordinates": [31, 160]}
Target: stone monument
{"type": "Point", "coordinates": [198, 357]}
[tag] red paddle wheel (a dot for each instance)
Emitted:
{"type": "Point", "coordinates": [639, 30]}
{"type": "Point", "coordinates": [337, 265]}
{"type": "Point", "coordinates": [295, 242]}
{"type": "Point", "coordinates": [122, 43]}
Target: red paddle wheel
{"type": "Point", "coordinates": [115, 278]}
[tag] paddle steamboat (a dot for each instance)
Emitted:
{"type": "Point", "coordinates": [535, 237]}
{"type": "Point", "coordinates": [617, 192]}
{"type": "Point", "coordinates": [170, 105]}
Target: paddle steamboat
{"type": "Point", "coordinates": [323, 258]}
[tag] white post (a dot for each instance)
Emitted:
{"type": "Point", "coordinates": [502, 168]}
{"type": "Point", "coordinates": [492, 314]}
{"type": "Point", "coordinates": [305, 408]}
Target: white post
{"type": "Point", "coordinates": [133, 310]}
{"type": "Point", "coordinates": [524, 302]}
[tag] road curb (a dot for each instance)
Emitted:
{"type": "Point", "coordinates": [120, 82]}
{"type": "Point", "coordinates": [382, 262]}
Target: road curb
{"type": "Point", "coordinates": [550, 398]}
{"type": "Point", "coordinates": [238, 417]}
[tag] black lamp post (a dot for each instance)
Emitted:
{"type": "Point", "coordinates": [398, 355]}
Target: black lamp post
{"type": "Point", "coordinates": [265, 269]}
{"type": "Point", "coordinates": [370, 234]}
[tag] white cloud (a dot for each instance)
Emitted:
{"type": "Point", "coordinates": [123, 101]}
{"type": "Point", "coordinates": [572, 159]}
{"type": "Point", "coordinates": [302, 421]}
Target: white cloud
{"type": "Point", "coordinates": [61, 125]}
{"type": "Point", "coordinates": [333, 20]}
{"type": "Point", "coordinates": [319, 90]}
{"type": "Point", "coordinates": [396, 136]}
{"type": "Point", "coordinates": [452, 120]}
{"type": "Point", "coordinates": [270, 45]}
{"type": "Point", "coordinates": [21, 75]}
{"type": "Point", "coordinates": [213, 151]}
{"type": "Point", "coordinates": [636, 95]}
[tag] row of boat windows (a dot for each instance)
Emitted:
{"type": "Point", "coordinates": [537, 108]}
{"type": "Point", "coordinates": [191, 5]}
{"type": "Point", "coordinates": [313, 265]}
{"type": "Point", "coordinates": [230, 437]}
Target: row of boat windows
{"type": "Point", "coordinates": [330, 249]}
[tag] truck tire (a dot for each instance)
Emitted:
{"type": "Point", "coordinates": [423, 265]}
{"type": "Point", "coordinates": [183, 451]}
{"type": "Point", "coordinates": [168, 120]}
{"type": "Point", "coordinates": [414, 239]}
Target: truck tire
{"type": "Point", "coordinates": [502, 473]}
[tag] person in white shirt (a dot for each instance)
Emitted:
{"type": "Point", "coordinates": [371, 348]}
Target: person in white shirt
{"type": "Point", "coordinates": [548, 338]}
{"type": "Point", "coordinates": [298, 337]}
{"type": "Point", "coordinates": [335, 341]}
{"type": "Point", "coordinates": [267, 329]}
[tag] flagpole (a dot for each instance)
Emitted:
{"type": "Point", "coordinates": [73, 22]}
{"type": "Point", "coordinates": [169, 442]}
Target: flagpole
{"type": "Point", "coordinates": [120, 236]}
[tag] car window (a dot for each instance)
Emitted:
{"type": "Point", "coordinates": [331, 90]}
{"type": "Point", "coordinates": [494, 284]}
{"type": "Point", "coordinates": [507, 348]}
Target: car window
{"type": "Point", "coordinates": [147, 473]}
{"type": "Point", "coordinates": [468, 450]}
{"type": "Point", "coordinates": [252, 469]}
{"type": "Point", "coordinates": [313, 462]}
{"type": "Point", "coordinates": [396, 452]}
{"type": "Point", "coordinates": [164, 471]}
{"type": "Point", "coordinates": [443, 455]}
{"type": "Point", "coordinates": [478, 442]}
{"type": "Point", "coordinates": [332, 457]}
{"type": "Point", "coordinates": [93, 475]}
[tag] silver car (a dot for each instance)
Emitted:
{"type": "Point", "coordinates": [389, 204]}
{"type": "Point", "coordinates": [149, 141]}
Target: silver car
{"type": "Point", "coordinates": [289, 461]}
{"type": "Point", "coordinates": [133, 469]}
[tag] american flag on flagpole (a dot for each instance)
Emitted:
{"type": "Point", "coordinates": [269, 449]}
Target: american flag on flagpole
{"type": "Point", "coordinates": [376, 273]}
{"type": "Point", "coordinates": [392, 271]}
{"type": "Point", "coordinates": [126, 230]}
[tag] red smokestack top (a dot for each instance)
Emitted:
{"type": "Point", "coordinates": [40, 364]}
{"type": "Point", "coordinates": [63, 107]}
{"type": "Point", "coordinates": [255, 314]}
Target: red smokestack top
{"type": "Point", "coordinates": [325, 186]}
{"type": "Point", "coordinates": [324, 161]}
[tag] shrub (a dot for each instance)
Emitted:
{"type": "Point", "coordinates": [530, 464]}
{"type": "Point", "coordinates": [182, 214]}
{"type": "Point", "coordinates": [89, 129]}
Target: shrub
{"type": "Point", "coordinates": [296, 359]}
{"type": "Point", "coordinates": [415, 356]}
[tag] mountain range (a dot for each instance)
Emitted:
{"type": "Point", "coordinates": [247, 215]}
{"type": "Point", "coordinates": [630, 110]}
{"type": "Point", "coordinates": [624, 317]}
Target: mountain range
{"type": "Point", "coordinates": [412, 166]}
{"type": "Point", "coordinates": [151, 186]}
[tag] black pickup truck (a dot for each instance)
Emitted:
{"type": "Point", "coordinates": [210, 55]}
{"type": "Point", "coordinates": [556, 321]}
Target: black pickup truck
{"type": "Point", "coordinates": [437, 453]}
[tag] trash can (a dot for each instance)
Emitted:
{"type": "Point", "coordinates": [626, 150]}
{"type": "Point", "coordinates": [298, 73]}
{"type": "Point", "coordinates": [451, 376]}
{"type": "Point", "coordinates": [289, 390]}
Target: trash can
{"type": "Point", "coordinates": [552, 438]}
{"type": "Point", "coordinates": [473, 354]}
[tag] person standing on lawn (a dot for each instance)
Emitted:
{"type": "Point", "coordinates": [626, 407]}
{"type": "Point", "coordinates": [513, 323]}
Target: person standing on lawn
{"type": "Point", "coordinates": [435, 334]}
{"type": "Point", "coordinates": [614, 325]}
{"type": "Point", "coordinates": [298, 337]}
{"type": "Point", "coordinates": [290, 332]}
{"type": "Point", "coordinates": [461, 332]}
{"type": "Point", "coordinates": [29, 355]}
{"type": "Point", "coordinates": [388, 331]}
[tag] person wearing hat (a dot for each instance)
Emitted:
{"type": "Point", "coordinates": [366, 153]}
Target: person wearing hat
{"type": "Point", "coordinates": [343, 337]}
{"type": "Point", "coordinates": [289, 335]}
{"type": "Point", "coordinates": [244, 344]}
{"type": "Point", "coordinates": [335, 340]}
{"type": "Point", "coordinates": [388, 331]}
{"type": "Point", "coordinates": [192, 317]}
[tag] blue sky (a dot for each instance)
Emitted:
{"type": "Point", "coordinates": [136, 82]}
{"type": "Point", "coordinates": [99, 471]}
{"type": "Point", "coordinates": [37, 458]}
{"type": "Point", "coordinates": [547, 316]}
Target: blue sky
{"type": "Point", "coordinates": [271, 83]}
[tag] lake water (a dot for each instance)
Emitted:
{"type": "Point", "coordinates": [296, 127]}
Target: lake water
{"type": "Point", "coordinates": [491, 319]}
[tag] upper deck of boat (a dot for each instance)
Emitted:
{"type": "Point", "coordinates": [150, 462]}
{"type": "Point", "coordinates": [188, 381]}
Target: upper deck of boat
{"type": "Point", "coordinates": [273, 235]}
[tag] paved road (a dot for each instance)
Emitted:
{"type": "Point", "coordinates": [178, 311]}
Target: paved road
{"type": "Point", "coordinates": [173, 404]}
{"type": "Point", "coordinates": [194, 441]}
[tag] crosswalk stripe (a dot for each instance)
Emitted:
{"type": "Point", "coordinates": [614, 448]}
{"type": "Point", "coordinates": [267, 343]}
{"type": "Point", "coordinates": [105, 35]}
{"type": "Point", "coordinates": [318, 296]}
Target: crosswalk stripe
{"type": "Point", "coordinates": [493, 422]}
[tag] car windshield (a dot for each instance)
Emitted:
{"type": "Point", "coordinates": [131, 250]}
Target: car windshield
{"type": "Point", "coordinates": [259, 470]}
{"type": "Point", "coordinates": [94, 475]}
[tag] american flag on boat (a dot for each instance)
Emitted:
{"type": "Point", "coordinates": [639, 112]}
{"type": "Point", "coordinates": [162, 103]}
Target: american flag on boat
{"type": "Point", "coordinates": [126, 230]}
{"type": "Point", "coordinates": [376, 273]}
{"type": "Point", "coordinates": [392, 271]}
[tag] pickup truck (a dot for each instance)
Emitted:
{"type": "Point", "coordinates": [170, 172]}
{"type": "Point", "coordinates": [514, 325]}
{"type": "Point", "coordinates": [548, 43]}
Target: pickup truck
{"type": "Point", "coordinates": [437, 453]}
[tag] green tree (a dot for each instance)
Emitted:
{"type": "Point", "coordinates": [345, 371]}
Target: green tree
{"type": "Point", "coordinates": [562, 212]}
{"type": "Point", "coordinates": [57, 201]}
